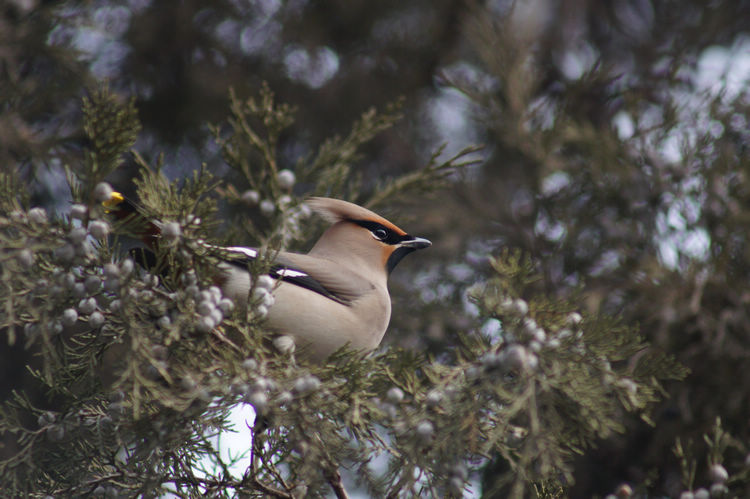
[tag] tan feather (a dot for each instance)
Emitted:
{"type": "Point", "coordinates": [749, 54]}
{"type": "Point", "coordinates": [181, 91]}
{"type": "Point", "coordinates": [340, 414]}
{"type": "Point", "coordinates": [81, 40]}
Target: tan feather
{"type": "Point", "coordinates": [336, 210]}
{"type": "Point", "coordinates": [345, 284]}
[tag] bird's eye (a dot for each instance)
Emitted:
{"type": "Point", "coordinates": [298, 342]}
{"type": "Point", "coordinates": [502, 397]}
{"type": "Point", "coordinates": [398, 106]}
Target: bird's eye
{"type": "Point", "coordinates": [380, 234]}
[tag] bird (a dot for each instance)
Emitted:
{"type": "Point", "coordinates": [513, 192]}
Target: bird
{"type": "Point", "coordinates": [335, 295]}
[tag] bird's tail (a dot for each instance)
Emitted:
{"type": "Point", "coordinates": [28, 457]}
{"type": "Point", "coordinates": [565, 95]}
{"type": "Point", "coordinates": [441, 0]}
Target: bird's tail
{"type": "Point", "coordinates": [126, 211]}
{"type": "Point", "coordinates": [136, 223]}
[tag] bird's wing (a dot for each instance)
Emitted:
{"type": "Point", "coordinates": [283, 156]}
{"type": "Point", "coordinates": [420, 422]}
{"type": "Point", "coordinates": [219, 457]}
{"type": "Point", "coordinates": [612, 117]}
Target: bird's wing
{"type": "Point", "coordinates": [320, 275]}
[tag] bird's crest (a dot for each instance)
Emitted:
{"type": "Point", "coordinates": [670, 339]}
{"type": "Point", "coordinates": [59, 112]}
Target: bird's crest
{"type": "Point", "coordinates": [336, 210]}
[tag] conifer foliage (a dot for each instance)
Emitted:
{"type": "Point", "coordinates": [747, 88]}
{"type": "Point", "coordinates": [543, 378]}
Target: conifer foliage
{"type": "Point", "coordinates": [141, 366]}
{"type": "Point", "coordinates": [579, 327]}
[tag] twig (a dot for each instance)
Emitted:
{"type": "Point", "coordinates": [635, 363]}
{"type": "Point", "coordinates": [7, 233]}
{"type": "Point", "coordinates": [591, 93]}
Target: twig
{"type": "Point", "coordinates": [334, 480]}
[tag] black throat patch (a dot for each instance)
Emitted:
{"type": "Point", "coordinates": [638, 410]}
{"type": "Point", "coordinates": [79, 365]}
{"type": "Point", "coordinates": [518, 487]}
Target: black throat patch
{"type": "Point", "coordinates": [396, 257]}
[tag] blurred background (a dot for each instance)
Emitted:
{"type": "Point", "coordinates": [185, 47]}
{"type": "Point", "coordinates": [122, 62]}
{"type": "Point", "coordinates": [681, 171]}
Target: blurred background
{"type": "Point", "coordinates": [615, 152]}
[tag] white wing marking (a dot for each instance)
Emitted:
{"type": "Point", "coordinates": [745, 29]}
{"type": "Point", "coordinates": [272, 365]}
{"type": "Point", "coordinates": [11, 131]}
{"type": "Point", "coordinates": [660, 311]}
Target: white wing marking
{"type": "Point", "coordinates": [290, 273]}
{"type": "Point", "coordinates": [249, 252]}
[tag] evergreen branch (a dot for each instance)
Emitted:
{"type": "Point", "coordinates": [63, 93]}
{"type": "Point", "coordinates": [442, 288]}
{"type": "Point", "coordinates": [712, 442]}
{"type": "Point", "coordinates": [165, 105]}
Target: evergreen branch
{"type": "Point", "coordinates": [334, 480]}
{"type": "Point", "coordinates": [431, 177]}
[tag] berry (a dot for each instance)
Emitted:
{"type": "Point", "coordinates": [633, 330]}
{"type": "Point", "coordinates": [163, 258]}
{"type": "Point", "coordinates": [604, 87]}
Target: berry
{"type": "Point", "coordinates": [265, 281]}
{"type": "Point", "coordinates": [78, 235]}
{"type": "Point", "coordinates": [261, 311]}
{"type": "Point", "coordinates": [226, 306]}
{"type": "Point", "coordinates": [267, 207]}
{"type": "Point", "coordinates": [96, 319]}
{"type": "Point", "coordinates": [395, 395]}
{"type": "Point", "coordinates": [434, 397]}
{"type": "Point", "coordinates": [284, 398]}
{"type": "Point", "coordinates": [38, 215]}
{"type": "Point", "coordinates": [718, 473]}
{"type": "Point", "coordinates": [111, 270]}
{"type": "Point", "coordinates": [103, 192]}
{"type": "Point", "coordinates": [92, 283]}
{"type": "Point", "coordinates": [87, 306]}
{"type": "Point", "coordinates": [250, 364]}
{"type": "Point", "coordinates": [205, 308]}
{"type": "Point", "coordinates": [250, 198]}
{"type": "Point", "coordinates": [25, 257]}
{"type": "Point", "coordinates": [286, 179]}
{"type": "Point", "coordinates": [78, 211]}
{"type": "Point", "coordinates": [284, 344]}
{"type": "Point", "coordinates": [126, 266]}
{"type": "Point", "coordinates": [99, 229]}
{"type": "Point", "coordinates": [65, 253]}
{"type": "Point", "coordinates": [702, 494]}
{"type": "Point", "coordinates": [574, 318]}
{"type": "Point", "coordinates": [425, 430]}
{"type": "Point", "coordinates": [69, 317]}
{"type": "Point", "coordinates": [171, 231]}
{"type": "Point", "coordinates": [205, 324]}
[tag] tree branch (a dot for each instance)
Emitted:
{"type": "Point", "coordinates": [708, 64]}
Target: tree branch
{"type": "Point", "coordinates": [334, 480]}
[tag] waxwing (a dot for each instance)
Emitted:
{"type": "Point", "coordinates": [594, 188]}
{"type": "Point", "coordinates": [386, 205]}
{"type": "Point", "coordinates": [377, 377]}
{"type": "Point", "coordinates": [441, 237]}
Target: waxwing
{"type": "Point", "coordinates": [337, 293]}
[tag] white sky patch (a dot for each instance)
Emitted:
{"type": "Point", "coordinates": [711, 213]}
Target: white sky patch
{"type": "Point", "coordinates": [469, 307]}
{"type": "Point", "coordinates": [529, 17]}
{"type": "Point", "coordinates": [552, 230]}
{"type": "Point", "coordinates": [88, 41]}
{"type": "Point", "coordinates": [450, 115]}
{"type": "Point", "coordinates": [672, 147]}
{"type": "Point", "coordinates": [624, 125]}
{"type": "Point", "coordinates": [53, 178]}
{"type": "Point", "coordinates": [259, 36]}
{"type": "Point", "coordinates": [678, 235]}
{"type": "Point", "coordinates": [232, 444]}
{"type": "Point", "coordinates": [312, 67]}
{"type": "Point", "coordinates": [114, 21]}
{"type": "Point", "coordinates": [98, 40]}
{"type": "Point", "coordinates": [138, 5]}
{"type": "Point", "coordinates": [693, 244]}
{"type": "Point", "coordinates": [722, 73]}
{"type": "Point", "coordinates": [725, 70]}
{"type": "Point", "coordinates": [577, 61]}
{"type": "Point", "coordinates": [491, 327]}
{"type": "Point", "coordinates": [461, 272]}
{"type": "Point", "coordinates": [607, 262]}
{"type": "Point", "coordinates": [266, 8]}
{"type": "Point", "coordinates": [554, 183]}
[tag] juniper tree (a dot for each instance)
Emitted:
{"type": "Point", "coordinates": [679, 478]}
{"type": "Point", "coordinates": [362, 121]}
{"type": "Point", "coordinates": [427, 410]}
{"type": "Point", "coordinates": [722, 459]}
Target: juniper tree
{"type": "Point", "coordinates": [621, 169]}
{"type": "Point", "coordinates": [137, 380]}
{"type": "Point", "coordinates": [574, 105]}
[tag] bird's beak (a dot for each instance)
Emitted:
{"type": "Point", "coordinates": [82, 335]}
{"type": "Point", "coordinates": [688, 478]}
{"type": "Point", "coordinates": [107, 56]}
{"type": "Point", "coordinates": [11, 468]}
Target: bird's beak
{"type": "Point", "coordinates": [416, 243]}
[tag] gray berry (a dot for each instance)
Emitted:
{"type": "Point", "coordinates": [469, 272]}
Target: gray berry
{"type": "Point", "coordinates": [87, 306]}
{"type": "Point", "coordinates": [38, 215]}
{"type": "Point", "coordinates": [99, 229]}
{"type": "Point", "coordinates": [286, 179]}
{"type": "Point", "coordinates": [78, 211]}
{"type": "Point", "coordinates": [103, 192]}
{"type": "Point", "coordinates": [96, 319]}
{"type": "Point", "coordinates": [92, 283]}
{"type": "Point", "coordinates": [78, 235]}
{"type": "Point", "coordinates": [25, 257]}
{"type": "Point", "coordinates": [69, 317]}
{"type": "Point", "coordinates": [250, 198]}
{"type": "Point", "coordinates": [395, 395]}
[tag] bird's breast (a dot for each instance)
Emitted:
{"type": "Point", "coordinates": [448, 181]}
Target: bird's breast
{"type": "Point", "coordinates": [321, 326]}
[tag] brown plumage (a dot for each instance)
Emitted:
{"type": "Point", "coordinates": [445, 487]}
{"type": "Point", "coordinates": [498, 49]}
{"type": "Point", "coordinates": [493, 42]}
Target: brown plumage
{"type": "Point", "coordinates": [337, 293]}
{"type": "Point", "coordinates": [351, 264]}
